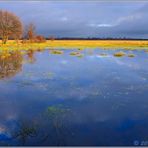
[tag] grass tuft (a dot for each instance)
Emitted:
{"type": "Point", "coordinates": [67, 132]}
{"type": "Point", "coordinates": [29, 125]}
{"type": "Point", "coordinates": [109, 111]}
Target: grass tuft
{"type": "Point", "coordinates": [119, 54]}
{"type": "Point", "coordinates": [131, 55]}
{"type": "Point", "coordinates": [57, 52]}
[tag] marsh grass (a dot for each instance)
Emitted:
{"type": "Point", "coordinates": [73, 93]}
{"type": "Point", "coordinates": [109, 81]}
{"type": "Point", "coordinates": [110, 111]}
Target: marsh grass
{"type": "Point", "coordinates": [56, 52]}
{"type": "Point", "coordinates": [77, 44]}
{"type": "Point", "coordinates": [74, 53]}
{"type": "Point", "coordinates": [131, 55]}
{"type": "Point", "coordinates": [119, 54]}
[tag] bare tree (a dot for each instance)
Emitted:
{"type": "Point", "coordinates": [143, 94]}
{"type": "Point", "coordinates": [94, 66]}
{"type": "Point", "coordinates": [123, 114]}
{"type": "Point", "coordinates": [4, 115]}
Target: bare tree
{"type": "Point", "coordinates": [10, 26]}
{"type": "Point", "coordinates": [30, 32]}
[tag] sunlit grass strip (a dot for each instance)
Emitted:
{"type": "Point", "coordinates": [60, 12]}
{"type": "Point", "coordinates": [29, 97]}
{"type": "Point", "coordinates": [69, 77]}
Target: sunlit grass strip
{"type": "Point", "coordinates": [78, 44]}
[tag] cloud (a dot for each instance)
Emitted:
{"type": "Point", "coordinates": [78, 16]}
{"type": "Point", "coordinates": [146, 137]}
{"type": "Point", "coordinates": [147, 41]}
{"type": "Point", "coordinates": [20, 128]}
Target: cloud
{"type": "Point", "coordinates": [100, 25]}
{"type": "Point", "coordinates": [83, 19]}
{"type": "Point", "coordinates": [64, 19]}
{"type": "Point", "coordinates": [119, 21]}
{"type": "Point", "coordinates": [129, 18]}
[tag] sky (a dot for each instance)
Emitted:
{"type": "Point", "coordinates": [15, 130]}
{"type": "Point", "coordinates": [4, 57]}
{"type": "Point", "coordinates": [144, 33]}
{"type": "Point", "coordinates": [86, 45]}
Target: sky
{"type": "Point", "coordinates": [83, 18]}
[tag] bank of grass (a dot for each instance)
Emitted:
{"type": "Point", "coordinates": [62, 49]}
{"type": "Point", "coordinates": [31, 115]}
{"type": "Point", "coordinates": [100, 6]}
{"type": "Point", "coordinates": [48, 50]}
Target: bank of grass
{"type": "Point", "coordinates": [77, 44]}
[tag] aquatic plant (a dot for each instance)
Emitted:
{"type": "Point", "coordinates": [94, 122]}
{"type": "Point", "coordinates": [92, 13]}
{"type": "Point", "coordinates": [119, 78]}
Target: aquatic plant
{"type": "Point", "coordinates": [56, 111]}
{"type": "Point", "coordinates": [119, 54]}
{"type": "Point", "coordinates": [78, 54]}
{"type": "Point", "coordinates": [131, 55]}
{"type": "Point", "coordinates": [56, 52]}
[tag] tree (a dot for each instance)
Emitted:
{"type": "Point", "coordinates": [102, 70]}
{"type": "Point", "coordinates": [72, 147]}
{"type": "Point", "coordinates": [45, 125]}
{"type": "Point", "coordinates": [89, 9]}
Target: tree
{"type": "Point", "coordinates": [30, 32]}
{"type": "Point", "coordinates": [10, 26]}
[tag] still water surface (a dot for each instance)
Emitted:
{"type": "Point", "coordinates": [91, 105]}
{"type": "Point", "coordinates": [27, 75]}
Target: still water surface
{"type": "Point", "coordinates": [60, 99]}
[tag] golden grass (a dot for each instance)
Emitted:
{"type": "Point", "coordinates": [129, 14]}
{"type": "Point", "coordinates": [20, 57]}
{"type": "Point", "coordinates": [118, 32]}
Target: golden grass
{"type": "Point", "coordinates": [57, 52]}
{"type": "Point", "coordinates": [131, 55]}
{"type": "Point", "coordinates": [78, 44]}
{"type": "Point", "coordinates": [119, 54]}
{"type": "Point", "coordinates": [74, 53]}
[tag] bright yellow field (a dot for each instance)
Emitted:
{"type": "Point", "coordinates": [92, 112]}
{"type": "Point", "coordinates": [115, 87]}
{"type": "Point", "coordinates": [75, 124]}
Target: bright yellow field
{"type": "Point", "coordinates": [80, 44]}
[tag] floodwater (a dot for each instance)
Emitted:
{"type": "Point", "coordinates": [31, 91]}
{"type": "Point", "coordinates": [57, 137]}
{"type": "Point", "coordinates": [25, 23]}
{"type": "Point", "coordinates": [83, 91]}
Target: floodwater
{"type": "Point", "coordinates": [65, 100]}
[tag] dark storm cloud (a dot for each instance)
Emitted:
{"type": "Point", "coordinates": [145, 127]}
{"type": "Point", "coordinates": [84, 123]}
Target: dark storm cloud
{"type": "Point", "coordinates": [84, 19]}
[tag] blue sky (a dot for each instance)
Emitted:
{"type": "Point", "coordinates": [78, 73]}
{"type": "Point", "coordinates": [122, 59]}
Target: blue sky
{"type": "Point", "coordinates": [83, 18]}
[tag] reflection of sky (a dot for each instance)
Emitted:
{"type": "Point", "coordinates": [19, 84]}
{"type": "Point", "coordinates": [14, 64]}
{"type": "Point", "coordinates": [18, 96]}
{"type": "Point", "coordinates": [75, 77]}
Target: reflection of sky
{"type": "Point", "coordinates": [98, 89]}
{"type": "Point", "coordinates": [83, 19]}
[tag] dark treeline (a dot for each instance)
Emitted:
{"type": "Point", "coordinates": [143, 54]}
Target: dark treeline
{"type": "Point", "coordinates": [71, 38]}
{"type": "Point", "coordinates": [95, 38]}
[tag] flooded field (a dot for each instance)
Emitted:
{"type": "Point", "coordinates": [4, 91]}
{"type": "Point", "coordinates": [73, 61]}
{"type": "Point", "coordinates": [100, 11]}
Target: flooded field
{"type": "Point", "coordinates": [74, 97]}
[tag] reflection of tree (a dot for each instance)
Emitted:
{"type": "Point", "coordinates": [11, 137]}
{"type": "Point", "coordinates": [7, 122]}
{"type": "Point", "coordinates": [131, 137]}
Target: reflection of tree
{"type": "Point", "coordinates": [50, 128]}
{"type": "Point", "coordinates": [25, 131]}
{"type": "Point", "coordinates": [10, 64]}
{"type": "Point", "coordinates": [30, 55]}
{"type": "Point", "coordinates": [57, 121]}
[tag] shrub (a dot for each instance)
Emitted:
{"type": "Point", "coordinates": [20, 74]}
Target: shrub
{"type": "Point", "coordinates": [39, 39]}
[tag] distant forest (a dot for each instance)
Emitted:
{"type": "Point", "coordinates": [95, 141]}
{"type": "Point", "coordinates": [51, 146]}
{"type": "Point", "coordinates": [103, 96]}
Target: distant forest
{"type": "Point", "coordinates": [93, 38]}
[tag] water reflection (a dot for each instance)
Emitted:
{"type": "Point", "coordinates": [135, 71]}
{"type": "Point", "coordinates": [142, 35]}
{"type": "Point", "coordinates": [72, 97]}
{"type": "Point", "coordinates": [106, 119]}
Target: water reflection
{"type": "Point", "coordinates": [24, 132]}
{"type": "Point", "coordinates": [60, 99]}
{"type": "Point", "coordinates": [47, 127]}
{"type": "Point", "coordinates": [10, 64]}
{"type": "Point", "coordinates": [30, 56]}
